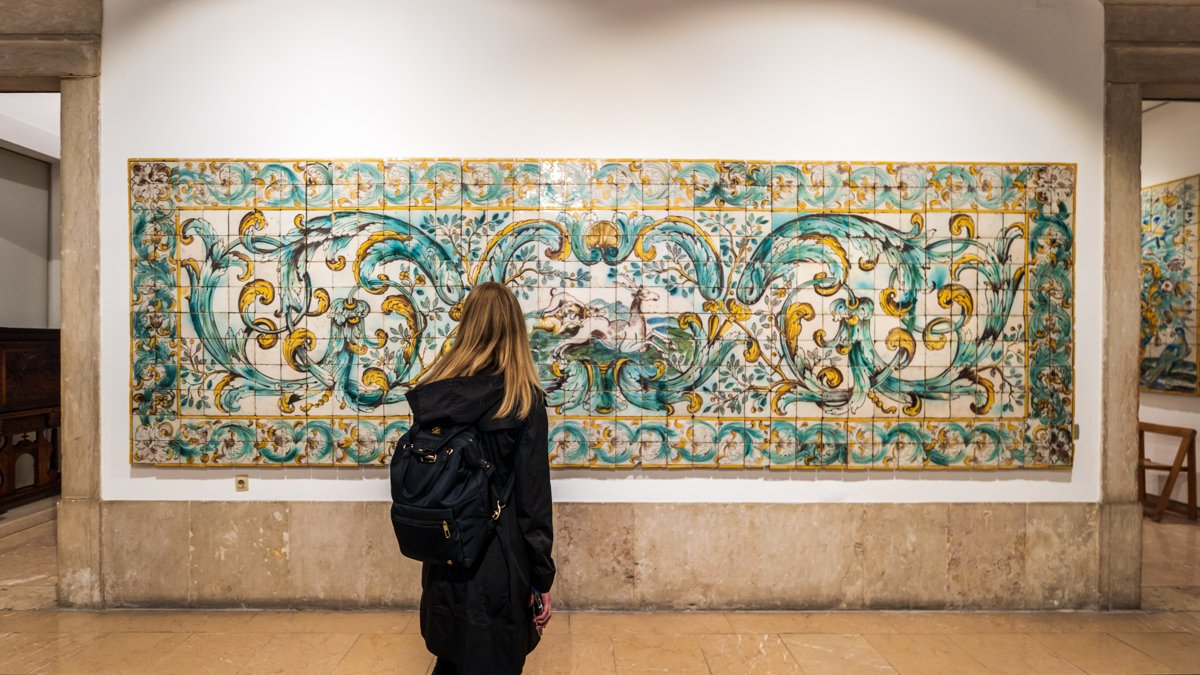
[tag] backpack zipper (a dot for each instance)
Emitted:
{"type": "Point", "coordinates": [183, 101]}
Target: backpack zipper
{"type": "Point", "coordinates": [446, 529]}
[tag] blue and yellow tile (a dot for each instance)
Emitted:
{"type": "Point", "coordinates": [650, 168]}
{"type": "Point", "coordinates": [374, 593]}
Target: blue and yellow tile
{"type": "Point", "coordinates": [723, 314]}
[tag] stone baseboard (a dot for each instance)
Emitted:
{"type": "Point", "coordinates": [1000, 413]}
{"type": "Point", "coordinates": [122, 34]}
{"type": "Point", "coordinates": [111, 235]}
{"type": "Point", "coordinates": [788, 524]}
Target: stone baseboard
{"type": "Point", "coordinates": [622, 556]}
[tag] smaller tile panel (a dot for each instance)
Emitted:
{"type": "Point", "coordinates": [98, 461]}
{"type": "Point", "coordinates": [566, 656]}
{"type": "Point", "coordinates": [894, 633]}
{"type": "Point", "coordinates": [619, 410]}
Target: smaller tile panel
{"type": "Point", "coordinates": [685, 314]}
{"type": "Point", "coordinates": [1170, 248]}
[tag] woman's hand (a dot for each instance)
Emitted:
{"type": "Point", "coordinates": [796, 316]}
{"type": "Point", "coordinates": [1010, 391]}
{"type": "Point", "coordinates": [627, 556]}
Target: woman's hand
{"type": "Point", "coordinates": [544, 618]}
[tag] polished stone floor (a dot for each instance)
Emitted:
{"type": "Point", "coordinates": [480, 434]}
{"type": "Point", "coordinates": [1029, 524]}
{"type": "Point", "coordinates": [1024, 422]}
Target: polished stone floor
{"type": "Point", "coordinates": [1171, 564]}
{"type": "Point", "coordinates": [36, 638]}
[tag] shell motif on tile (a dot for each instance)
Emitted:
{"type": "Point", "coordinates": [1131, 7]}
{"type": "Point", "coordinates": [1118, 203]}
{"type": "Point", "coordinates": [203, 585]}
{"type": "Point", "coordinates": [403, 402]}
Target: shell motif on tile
{"type": "Point", "coordinates": [683, 314]}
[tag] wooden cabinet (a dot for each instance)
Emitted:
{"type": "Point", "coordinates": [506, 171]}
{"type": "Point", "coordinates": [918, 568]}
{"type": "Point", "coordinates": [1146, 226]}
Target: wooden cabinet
{"type": "Point", "coordinates": [29, 414]}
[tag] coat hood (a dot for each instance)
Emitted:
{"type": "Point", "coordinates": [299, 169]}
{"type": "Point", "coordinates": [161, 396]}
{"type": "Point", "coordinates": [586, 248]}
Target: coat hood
{"type": "Point", "coordinates": [460, 400]}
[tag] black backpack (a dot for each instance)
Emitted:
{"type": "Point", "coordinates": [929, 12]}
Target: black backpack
{"type": "Point", "coordinates": [444, 508]}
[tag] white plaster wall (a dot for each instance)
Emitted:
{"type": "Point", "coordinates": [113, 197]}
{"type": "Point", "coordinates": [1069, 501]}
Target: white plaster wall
{"type": "Point", "coordinates": [54, 254]}
{"type": "Point", "coordinates": [1170, 150]}
{"type": "Point", "coordinates": [29, 124]}
{"type": "Point", "coordinates": [24, 240]}
{"type": "Point", "coordinates": [918, 80]}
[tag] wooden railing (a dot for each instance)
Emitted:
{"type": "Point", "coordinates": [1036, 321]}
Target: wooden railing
{"type": "Point", "coordinates": [29, 415]}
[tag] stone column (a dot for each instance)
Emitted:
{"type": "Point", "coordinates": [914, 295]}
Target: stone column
{"type": "Point", "coordinates": [79, 511]}
{"type": "Point", "coordinates": [1120, 512]}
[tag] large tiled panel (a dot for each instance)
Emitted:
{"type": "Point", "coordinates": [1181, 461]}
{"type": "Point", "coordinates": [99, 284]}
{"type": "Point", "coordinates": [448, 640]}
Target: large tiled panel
{"type": "Point", "coordinates": [1170, 262]}
{"type": "Point", "coordinates": [722, 314]}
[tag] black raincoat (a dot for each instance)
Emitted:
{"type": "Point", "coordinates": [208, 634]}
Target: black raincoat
{"type": "Point", "coordinates": [479, 618]}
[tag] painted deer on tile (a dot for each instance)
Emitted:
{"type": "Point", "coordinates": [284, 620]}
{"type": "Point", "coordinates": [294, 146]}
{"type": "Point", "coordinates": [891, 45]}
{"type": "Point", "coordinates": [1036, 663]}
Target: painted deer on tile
{"type": "Point", "coordinates": [620, 334]}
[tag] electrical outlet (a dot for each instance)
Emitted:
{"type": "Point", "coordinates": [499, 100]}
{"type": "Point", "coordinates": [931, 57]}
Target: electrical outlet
{"type": "Point", "coordinates": [241, 483]}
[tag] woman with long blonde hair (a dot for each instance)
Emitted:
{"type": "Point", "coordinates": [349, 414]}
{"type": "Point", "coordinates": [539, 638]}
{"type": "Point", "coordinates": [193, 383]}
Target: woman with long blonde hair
{"type": "Point", "coordinates": [480, 619]}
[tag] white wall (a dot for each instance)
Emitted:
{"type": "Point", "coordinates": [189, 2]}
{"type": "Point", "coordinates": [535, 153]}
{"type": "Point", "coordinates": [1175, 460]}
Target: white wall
{"type": "Point", "coordinates": [29, 125]}
{"type": "Point", "coordinates": [1170, 150]}
{"type": "Point", "coordinates": [937, 80]}
{"type": "Point", "coordinates": [24, 240]}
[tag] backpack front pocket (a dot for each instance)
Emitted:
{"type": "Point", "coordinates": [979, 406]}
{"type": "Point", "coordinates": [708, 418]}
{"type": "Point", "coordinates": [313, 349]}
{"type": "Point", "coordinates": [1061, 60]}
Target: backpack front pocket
{"type": "Point", "coordinates": [428, 535]}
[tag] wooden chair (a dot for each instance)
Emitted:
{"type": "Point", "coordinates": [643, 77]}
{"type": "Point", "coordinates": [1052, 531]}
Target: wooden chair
{"type": "Point", "coordinates": [1185, 453]}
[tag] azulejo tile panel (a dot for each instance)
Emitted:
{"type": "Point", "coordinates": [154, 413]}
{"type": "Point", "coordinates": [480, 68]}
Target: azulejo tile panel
{"type": "Point", "coordinates": [725, 314]}
{"type": "Point", "coordinates": [1170, 246]}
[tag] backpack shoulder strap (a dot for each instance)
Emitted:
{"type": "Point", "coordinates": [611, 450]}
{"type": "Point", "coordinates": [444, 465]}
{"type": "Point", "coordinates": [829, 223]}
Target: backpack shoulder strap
{"type": "Point", "coordinates": [498, 499]}
{"type": "Point", "coordinates": [501, 500]}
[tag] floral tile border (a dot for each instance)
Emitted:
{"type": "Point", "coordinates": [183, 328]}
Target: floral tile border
{"type": "Point", "coordinates": [744, 315]}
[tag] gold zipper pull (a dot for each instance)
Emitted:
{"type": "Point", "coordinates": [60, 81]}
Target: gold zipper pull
{"type": "Point", "coordinates": [446, 529]}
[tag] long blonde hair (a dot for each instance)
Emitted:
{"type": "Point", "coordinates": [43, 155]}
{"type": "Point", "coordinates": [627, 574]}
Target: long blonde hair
{"type": "Point", "coordinates": [492, 338]}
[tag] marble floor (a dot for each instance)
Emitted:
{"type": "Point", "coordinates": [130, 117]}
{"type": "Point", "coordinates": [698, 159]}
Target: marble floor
{"type": "Point", "coordinates": [36, 638]}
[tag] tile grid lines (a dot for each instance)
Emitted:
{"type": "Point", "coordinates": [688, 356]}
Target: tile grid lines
{"type": "Point", "coordinates": [925, 464]}
{"type": "Point", "coordinates": [1156, 296]}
